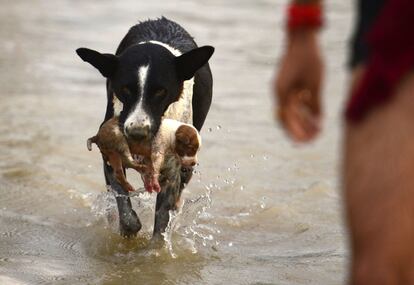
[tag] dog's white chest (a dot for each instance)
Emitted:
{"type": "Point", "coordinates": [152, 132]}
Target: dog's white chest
{"type": "Point", "coordinates": [182, 110]}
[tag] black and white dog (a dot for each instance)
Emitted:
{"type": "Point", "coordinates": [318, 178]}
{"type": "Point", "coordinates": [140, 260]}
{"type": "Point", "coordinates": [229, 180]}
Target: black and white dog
{"type": "Point", "coordinates": [157, 72]}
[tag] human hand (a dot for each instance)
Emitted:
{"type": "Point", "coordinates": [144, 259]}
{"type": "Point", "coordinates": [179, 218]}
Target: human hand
{"type": "Point", "coordinates": [297, 86]}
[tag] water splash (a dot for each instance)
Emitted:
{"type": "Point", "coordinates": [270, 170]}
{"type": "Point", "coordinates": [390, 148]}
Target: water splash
{"type": "Point", "coordinates": [105, 207]}
{"type": "Point", "coordinates": [172, 225]}
{"type": "Point", "coordinates": [186, 229]}
{"type": "Point", "coordinates": [192, 227]}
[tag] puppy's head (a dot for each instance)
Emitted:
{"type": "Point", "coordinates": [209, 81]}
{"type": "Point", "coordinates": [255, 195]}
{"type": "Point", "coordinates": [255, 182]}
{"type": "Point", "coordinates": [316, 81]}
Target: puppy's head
{"type": "Point", "coordinates": [146, 78]}
{"type": "Point", "coordinates": [187, 144]}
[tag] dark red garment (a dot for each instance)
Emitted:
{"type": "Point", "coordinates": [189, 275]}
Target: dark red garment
{"type": "Point", "coordinates": [391, 45]}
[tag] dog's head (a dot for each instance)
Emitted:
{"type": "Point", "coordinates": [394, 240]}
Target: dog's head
{"type": "Point", "coordinates": [187, 144]}
{"type": "Point", "coordinates": [146, 78]}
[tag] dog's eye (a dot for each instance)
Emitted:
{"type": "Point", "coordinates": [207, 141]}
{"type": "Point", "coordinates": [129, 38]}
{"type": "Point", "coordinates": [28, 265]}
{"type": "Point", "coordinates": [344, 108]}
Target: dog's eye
{"type": "Point", "coordinates": [161, 93]}
{"type": "Point", "coordinates": [125, 90]}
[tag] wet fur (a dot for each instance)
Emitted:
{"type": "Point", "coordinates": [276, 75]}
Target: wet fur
{"type": "Point", "coordinates": [115, 150]}
{"type": "Point", "coordinates": [173, 177]}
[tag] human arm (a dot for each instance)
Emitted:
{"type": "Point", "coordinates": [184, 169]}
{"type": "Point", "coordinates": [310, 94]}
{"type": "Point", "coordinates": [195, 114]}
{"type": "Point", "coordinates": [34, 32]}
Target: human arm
{"type": "Point", "coordinates": [298, 81]}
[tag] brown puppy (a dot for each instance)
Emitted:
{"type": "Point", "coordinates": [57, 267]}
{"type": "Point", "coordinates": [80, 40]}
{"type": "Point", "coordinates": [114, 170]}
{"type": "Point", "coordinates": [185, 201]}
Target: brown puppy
{"type": "Point", "coordinates": [143, 151]}
{"type": "Point", "coordinates": [115, 150]}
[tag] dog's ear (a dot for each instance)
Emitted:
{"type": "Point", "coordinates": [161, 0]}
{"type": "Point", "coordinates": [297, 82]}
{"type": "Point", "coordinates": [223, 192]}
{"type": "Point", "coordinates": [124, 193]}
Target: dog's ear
{"type": "Point", "coordinates": [106, 63]}
{"type": "Point", "coordinates": [187, 64]}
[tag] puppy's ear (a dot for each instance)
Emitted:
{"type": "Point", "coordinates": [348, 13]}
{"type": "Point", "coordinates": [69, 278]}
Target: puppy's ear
{"type": "Point", "coordinates": [106, 63]}
{"type": "Point", "coordinates": [188, 63]}
{"type": "Point", "coordinates": [182, 136]}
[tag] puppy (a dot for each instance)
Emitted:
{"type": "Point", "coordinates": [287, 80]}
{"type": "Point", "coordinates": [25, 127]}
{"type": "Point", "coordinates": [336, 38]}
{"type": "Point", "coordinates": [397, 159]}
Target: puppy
{"type": "Point", "coordinates": [115, 150]}
{"type": "Point", "coordinates": [175, 138]}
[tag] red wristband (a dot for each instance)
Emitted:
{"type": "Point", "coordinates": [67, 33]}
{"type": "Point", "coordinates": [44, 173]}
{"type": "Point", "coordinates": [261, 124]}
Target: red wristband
{"type": "Point", "coordinates": [304, 16]}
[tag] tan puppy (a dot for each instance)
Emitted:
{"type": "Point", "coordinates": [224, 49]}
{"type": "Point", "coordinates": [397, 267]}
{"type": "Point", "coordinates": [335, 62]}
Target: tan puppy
{"type": "Point", "coordinates": [115, 150]}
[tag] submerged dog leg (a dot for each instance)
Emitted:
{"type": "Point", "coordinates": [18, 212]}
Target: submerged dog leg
{"type": "Point", "coordinates": [172, 181]}
{"type": "Point", "coordinates": [129, 223]}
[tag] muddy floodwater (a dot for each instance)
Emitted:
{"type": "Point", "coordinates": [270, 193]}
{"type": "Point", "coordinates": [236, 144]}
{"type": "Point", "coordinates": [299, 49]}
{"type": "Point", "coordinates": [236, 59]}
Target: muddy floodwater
{"type": "Point", "coordinates": [259, 210]}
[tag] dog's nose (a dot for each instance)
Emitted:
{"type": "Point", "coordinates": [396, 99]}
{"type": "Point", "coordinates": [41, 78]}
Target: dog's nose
{"type": "Point", "coordinates": [141, 132]}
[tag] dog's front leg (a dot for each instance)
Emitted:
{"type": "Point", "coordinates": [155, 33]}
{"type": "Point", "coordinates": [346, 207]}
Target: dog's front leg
{"type": "Point", "coordinates": [129, 223]}
{"type": "Point", "coordinates": [173, 180]}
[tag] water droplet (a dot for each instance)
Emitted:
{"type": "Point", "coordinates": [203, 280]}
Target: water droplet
{"type": "Point", "coordinates": [252, 156]}
{"type": "Point", "coordinates": [218, 127]}
{"type": "Point", "coordinates": [241, 188]}
{"type": "Point", "coordinates": [265, 157]}
{"type": "Point", "coordinates": [210, 130]}
{"type": "Point", "coordinates": [230, 244]}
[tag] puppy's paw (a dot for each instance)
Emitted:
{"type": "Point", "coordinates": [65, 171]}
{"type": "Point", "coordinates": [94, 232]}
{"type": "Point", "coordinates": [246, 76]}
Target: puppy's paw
{"type": "Point", "coordinates": [156, 186]}
{"type": "Point", "coordinates": [147, 184]}
{"type": "Point", "coordinates": [130, 189]}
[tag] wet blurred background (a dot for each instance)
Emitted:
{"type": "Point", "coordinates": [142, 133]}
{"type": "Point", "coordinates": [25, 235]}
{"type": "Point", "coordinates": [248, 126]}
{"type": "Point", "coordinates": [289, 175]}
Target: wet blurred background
{"type": "Point", "coordinates": [259, 209]}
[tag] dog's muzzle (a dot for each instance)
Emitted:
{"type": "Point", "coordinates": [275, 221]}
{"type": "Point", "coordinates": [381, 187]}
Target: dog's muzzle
{"type": "Point", "coordinates": [138, 131]}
